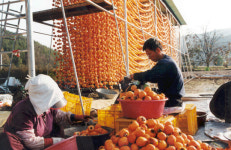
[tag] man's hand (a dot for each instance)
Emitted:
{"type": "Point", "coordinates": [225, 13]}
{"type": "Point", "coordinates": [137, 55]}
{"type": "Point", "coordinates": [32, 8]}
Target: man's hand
{"type": "Point", "coordinates": [131, 76]}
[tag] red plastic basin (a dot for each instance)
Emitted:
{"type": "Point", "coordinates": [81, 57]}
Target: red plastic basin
{"type": "Point", "coordinates": [68, 144]}
{"type": "Point", "coordinates": [149, 109]}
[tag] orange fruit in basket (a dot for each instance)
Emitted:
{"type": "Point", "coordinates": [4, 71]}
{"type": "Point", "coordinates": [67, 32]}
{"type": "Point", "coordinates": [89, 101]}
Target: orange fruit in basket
{"type": "Point", "coordinates": [150, 147]}
{"type": "Point", "coordinates": [178, 145]}
{"type": "Point", "coordinates": [155, 97]}
{"type": "Point", "coordinates": [122, 94]}
{"type": "Point", "coordinates": [167, 123]}
{"type": "Point", "coordinates": [97, 126]}
{"type": "Point", "coordinates": [109, 144]}
{"type": "Point", "coordinates": [141, 141]}
{"type": "Point", "coordinates": [136, 92]}
{"type": "Point", "coordinates": [90, 128]}
{"type": "Point", "coordinates": [123, 132]}
{"type": "Point", "coordinates": [142, 94]}
{"type": "Point", "coordinates": [151, 132]}
{"type": "Point", "coordinates": [102, 131]}
{"type": "Point", "coordinates": [115, 138]}
{"type": "Point", "coordinates": [151, 93]}
{"type": "Point", "coordinates": [153, 141]}
{"type": "Point", "coordinates": [123, 141]}
{"type": "Point", "coordinates": [162, 96]}
{"type": "Point", "coordinates": [161, 136]}
{"type": "Point", "coordinates": [134, 147]}
{"type": "Point", "coordinates": [133, 87]}
{"type": "Point", "coordinates": [205, 146]}
{"type": "Point", "coordinates": [176, 131]}
{"type": "Point", "coordinates": [190, 137]}
{"type": "Point", "coordinates": [151, 123]}
{"type": "Point", "coordinates": [171, 148]}
{"type": "Point", "coordinates": [139, 99]}
{"type": "Point", "coordinates": [171, 139]}
{"type": "Point", "coordinates": [168, 129]}
{"type": "Point", "coordinates": [191, 148]}
{"type": "Point", "coordinates": [101, 148]}
{"type": "Point", "coordinates": [132, 138]}
{"type": "Point", "coordinates": [195, 143]}
{"type": "Point", "coordinates": [184, 136]}
{"type": "Point", "coordinates": [76, 133]}
{"type": "Point", "coordinates": [147, 89]}
{"type": "Point", "coordinates": [147, 136]}
{"type": "Point", "coordinates": [162, 144]}
{"type": "Point", "coordinates": [129, 95]}
{"type": "Point", "coordinates": [147, 98]}
{"type": "Point", "coordinates": [144, 126]}
{"type": "Point", "coordinates": [124, 148]}
{"type": "Point", "coordinates": [159, 127]}
{"type": "Point", "coordinates": [180, 139]}
{"type": "Point", "coordinates": [141, 120]}
{"type": "Point", "coordinates": [139, 132]}
{"type": "Point", "coordinates": [199, 141]}
{"type": "Point", "coordinates": [123, 98]}
{"type": "Point", "coordinates": [133, 125]}
{"type": "Point", "coordinates": [93, 133]}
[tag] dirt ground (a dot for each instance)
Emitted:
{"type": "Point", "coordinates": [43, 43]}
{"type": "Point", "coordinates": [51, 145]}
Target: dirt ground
{"type": "Point", "coordinates": [206, 83]}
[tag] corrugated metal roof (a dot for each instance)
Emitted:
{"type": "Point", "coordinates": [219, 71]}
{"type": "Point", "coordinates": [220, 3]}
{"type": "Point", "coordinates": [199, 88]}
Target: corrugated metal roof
{"type": "Point", "coordinates": [172, 7]}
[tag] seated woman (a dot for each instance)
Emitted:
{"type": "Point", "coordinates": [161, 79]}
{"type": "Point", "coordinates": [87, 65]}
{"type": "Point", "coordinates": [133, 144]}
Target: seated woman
{"type": "Point", "coordinates": [36, 122]}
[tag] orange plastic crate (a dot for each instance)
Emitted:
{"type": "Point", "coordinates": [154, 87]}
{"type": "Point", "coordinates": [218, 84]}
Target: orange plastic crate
{"type": "Point", "coordinates": [187, 120]}
{"type": "Point", "coordinates": [74, 104]}
{"type": "Point", "coordinates": [108, 115]}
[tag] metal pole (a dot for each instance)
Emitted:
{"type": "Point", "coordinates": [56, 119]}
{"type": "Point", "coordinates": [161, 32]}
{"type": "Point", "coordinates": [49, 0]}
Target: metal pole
{"type": "Point", "coordinates": [30, 41]}
{"type": "Point", "coordinates": [126, 36]}
{"type": "Point", "coordinates": [155, 18]}
{"type": "Point", "coordinates": [1, 60]}
{"type": "Point", "coordinates": [72, 58]}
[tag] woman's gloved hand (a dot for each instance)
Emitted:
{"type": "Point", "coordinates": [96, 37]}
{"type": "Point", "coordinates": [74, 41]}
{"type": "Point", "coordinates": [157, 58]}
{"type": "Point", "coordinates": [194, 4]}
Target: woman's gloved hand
{"type": "Point", "coordinates": [84, 118]}
{"type": "Point", "coordinates": [57, 139]}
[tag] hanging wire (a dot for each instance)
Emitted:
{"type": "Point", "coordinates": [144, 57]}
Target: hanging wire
{"type": "Point", "coordinates": [118, 31]}
{"type": "Point", "coordinates": [72, 58]}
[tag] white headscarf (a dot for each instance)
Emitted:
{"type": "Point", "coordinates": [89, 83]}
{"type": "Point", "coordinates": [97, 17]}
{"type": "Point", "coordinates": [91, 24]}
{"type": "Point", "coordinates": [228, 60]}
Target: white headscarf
{"type": "Point", "coordinates": [44, 92]}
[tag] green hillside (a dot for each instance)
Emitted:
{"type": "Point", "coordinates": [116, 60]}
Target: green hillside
{"type": "Point", "coordinates": [44, 58]}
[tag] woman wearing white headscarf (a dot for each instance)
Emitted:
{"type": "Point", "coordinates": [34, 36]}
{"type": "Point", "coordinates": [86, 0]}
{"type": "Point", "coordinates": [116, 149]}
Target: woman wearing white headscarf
{"type": "Point", "coordinates": [33, 119]}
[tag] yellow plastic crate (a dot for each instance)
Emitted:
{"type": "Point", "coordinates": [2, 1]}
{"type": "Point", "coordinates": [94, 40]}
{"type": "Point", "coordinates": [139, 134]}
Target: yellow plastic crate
{"type": "Point", "coordinates": [74, 104]}
{"type": "Point", "coordinates": [187, 120]}
{"type": "Point", "coordinates": [124, 122]}
{"type": "Point", "coordinates": [108, 115]}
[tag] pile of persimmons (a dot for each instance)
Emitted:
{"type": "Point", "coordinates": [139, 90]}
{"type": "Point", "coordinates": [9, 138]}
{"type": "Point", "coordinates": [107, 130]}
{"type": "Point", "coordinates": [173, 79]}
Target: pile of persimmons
{"type": "Point", "coordinates": [92, 130]}
{"type": "Point", "coordinates": [151, 134]}
{"type": "Point", "coordinates": [140, 95]}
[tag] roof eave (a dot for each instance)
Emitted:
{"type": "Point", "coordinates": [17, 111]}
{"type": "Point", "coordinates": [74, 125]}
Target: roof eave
{"type": "Point", "coordinates": [172, 7]}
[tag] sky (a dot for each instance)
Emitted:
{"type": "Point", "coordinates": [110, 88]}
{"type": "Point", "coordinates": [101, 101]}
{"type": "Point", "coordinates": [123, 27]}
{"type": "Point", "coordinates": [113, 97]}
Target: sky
{"type": "Point", "coordinates": [198, 14]}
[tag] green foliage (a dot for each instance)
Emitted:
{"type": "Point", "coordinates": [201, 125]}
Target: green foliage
{"type": "Point", "coordinates": [207, 69]}
{"type": "Point", "coordinates": [44, 58]}
{"type": "Point", "coordinates": [218, 61]}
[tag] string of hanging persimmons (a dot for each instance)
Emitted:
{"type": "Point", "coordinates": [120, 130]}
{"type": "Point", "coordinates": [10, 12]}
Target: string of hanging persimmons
{"type": "Point", "coordinates": [96, 45]}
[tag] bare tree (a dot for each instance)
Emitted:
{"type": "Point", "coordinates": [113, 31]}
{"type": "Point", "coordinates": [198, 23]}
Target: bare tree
{"type": "Point", "coordinates": [205, 48]}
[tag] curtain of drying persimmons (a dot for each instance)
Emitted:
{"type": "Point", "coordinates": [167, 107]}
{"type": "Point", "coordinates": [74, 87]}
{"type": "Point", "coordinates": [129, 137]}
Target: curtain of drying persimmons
{"type": "Point", "coordinates": [96, 44]}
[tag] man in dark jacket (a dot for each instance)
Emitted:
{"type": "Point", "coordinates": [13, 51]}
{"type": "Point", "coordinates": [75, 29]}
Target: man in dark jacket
{"type": "Point", "coordinates": [165, 73]}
